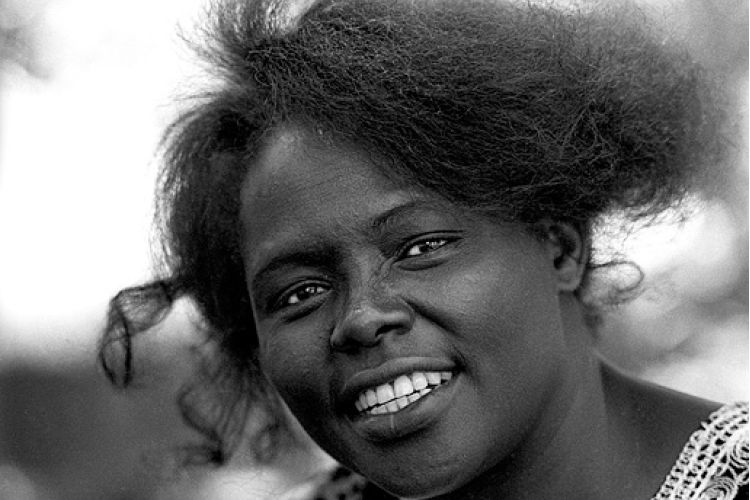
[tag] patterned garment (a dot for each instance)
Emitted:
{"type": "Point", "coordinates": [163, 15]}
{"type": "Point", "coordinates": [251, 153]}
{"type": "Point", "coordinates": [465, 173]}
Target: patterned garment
{"type": "Point", "coordinates": [713, 465]}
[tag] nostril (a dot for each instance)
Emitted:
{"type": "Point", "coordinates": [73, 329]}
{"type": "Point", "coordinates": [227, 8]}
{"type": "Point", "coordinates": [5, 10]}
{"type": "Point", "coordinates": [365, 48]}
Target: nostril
{"type": "Point", "coordinates": [366, 324]}
{"type": "Point", "coordinates": [395, 324]}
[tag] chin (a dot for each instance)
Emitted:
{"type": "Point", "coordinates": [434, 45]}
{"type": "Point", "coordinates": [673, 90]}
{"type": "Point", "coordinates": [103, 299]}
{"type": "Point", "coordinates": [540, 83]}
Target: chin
{"type": "Point", "coordinates": [416, 488]}
{"type": "Point", "coordinates": [417, 482]}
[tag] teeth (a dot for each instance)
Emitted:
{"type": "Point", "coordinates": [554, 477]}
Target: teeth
{"type": "Point", "coordinates": [397, 395]}
{"type": "Point", "coordinates": [372, 398]}
{"type": "Point", "coordinates": [385, 393]}
{"type": "Point", "coordinates": [402, 386]}
{"type": "Point", "coordinates": [419, 380]}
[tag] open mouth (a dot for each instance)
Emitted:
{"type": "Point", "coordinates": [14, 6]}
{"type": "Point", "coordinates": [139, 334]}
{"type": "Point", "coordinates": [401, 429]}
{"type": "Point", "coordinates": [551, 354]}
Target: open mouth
{"type": "Point", "coordinates": [398, 394]}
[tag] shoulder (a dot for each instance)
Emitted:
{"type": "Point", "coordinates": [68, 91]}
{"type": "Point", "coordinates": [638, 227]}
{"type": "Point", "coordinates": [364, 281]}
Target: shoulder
{"type": "Point", "coordinates": [714, 462]}
{"type": "Point", "coordinates": [661, 419]}
{"type": "Point", "coordinates": [696, 444]}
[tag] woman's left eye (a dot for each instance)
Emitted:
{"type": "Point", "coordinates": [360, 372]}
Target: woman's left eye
{"type": "Point", "coordinates": [425, 246]}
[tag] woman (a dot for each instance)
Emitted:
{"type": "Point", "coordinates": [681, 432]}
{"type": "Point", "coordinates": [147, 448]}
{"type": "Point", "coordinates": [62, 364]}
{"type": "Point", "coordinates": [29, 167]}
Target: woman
{"type": "Point", "coordinates": [385, 210]}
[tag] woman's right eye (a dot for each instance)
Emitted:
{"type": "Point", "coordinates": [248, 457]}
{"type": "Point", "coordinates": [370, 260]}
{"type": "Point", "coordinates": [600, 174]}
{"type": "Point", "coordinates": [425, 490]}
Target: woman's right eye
{"type": "Point", "coordinates": [301, 294]}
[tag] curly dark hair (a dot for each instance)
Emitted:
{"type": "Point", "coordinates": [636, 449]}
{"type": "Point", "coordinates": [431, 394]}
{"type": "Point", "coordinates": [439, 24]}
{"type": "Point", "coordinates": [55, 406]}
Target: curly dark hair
{"type": "Point", "coordinates": [520, 111]}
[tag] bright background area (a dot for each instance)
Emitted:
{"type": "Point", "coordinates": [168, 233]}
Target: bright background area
{"type": "Point", "coordinates": [80, 123]}
{"type": "Point", "coordinates": [86, 86]}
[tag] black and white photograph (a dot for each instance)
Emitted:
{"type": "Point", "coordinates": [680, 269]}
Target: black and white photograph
{"type": "Point", "coordinates": [374, 249]}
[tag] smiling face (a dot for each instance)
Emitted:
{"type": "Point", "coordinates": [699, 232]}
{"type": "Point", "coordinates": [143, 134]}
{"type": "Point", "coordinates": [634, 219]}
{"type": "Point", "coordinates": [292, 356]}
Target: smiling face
{"type": "Point", "coordinates": [416, 342]}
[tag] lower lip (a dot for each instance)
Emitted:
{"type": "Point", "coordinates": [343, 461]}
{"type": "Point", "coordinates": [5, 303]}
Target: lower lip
{"type": "Point", "coordinates": [415, 417]}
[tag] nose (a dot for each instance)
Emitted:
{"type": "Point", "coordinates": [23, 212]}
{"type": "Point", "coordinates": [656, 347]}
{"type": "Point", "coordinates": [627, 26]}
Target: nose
{"type": "Point", "coordinates": [368, 318]}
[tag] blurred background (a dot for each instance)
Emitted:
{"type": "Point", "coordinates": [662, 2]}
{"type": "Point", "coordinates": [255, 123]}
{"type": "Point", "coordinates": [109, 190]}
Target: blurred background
{"type": "Point", "coordinates": [86, 86]}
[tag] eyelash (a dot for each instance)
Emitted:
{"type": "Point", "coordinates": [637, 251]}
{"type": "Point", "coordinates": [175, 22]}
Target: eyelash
{"type": "Point", "coordinates": [285, 299]}
{"type": "Point", "coordinates": [440, 242]}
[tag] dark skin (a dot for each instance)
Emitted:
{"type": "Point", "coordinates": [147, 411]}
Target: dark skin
{"type": "Point", "coordinates": [356, 279]}
{"type": "Point", "coordinates": [648, 426]}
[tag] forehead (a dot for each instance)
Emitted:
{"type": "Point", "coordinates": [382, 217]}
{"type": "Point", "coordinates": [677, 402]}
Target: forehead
{"type": "Point", "coordinates": [303, 186]}
{"type": "Point", "coordinates": [302, 160]}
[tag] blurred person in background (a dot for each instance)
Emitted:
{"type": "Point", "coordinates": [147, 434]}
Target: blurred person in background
{"type": "Point", "coordinates": [384, 213]}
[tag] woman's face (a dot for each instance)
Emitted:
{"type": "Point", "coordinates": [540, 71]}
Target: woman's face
{"type": "Point", "coordinates": [417, 343]}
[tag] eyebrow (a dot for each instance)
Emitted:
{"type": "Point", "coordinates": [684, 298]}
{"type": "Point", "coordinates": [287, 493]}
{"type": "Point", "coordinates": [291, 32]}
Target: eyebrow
{"type": "Point", "coordinates": [391, 216]}
{"type": "Point", "coordinates": [312, 254]}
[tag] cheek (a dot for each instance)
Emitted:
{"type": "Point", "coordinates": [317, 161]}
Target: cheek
{"type": "Point", "coordinates": [296, 366]}
{"type": "Point", "coordinates": [504, 319]}
{"type": "Point", "coordinates": [519, 317]}
{"type": "Point", "coordinates": [493, 295]}
{"type": "Point", "coordinates": [515, 351]}
{"type": "Point", "coordinates": [299, 369]}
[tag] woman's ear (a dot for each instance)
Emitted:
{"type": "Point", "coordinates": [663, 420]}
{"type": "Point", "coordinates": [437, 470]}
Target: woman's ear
{"type": "Point", "coordinates": [568, 249]}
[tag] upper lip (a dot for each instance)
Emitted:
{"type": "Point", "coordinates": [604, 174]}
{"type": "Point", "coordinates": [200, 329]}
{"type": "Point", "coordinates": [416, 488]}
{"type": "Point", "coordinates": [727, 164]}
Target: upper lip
{"type": "Point", "coordinates": [386, 372]}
